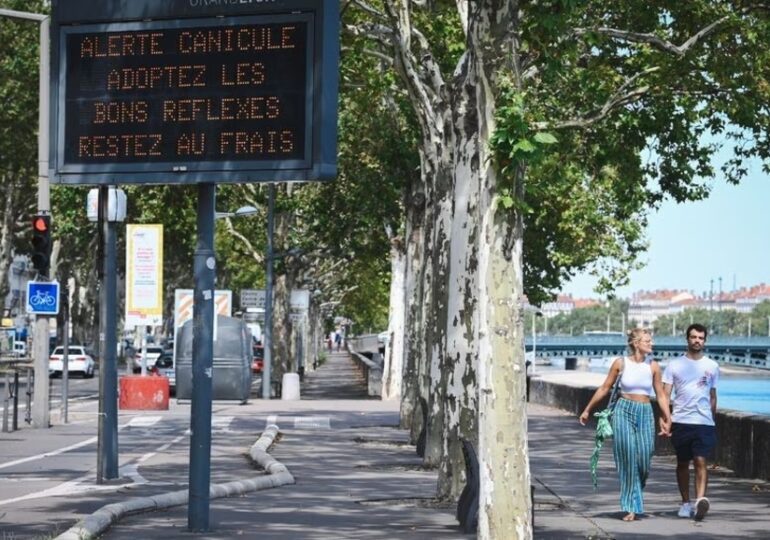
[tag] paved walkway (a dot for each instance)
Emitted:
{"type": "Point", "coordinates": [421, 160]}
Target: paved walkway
{"type": "Point", "coordinates": [356, 477]}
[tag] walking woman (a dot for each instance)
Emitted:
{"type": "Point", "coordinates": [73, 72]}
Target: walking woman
{"type": "Point", "coordinates": [633, 424]}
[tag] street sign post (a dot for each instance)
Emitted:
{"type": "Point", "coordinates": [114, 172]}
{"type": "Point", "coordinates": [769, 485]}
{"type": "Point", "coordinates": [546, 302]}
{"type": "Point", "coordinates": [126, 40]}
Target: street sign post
{"type": "Point", "coordinates": [253, 298]}
{"type": "Point", "coordinates": [43, 297]}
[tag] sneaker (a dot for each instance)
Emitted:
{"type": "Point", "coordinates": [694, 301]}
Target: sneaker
{"type": "Point", "coordinates": [701, 507]}
{"type": "Point", "coordinates": [686, 510]}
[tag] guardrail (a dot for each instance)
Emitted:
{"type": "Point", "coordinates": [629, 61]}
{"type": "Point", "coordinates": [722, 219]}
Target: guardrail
{"type": "Point", "coordinates": [10, 368]}
{"type": "Point", "coordinates": [365, 352]}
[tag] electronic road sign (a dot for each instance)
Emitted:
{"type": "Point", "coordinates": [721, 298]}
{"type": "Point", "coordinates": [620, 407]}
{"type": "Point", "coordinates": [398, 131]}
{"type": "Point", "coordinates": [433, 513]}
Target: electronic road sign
{"type": "Point", "coordinates": [187, 91]}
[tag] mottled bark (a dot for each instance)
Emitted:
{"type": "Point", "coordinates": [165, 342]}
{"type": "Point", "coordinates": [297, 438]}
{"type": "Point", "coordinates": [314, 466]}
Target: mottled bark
{"type": "Point", "coordinates": [413, 336]}
{"type": "Point", "coordinates": [505, 505]}
{"type": "Point", "coordinates": [283, 357]}
{"type": "Point", "coordinates": [7, 222]}
{"type": "Point", "coordinates": [394, 349]}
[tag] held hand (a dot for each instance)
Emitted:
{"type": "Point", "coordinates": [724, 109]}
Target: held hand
{"type": "Point", "coordinates": [665, 428]}
{"type": "Point", "coordinates": [583, 418]}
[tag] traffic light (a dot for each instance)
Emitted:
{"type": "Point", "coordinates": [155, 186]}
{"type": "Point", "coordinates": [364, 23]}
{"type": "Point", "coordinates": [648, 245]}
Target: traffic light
{"type": "Point", "coordinates": [41, 243]}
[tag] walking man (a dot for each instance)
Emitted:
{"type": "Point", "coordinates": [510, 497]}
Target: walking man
{"type": "Point", "coordinates": [693, 378]}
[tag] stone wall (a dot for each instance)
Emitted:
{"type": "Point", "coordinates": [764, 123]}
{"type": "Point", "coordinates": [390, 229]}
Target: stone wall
{"type": "Point", "coordinates": [744, 439]}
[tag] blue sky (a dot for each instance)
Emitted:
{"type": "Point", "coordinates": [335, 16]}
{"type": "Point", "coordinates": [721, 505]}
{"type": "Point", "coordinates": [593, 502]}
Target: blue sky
{"type": "Point", "coordinates": [727, 236]}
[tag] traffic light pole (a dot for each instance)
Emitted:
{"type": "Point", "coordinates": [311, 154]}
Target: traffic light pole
{"type": "Point", "coordinates": [202, 362]}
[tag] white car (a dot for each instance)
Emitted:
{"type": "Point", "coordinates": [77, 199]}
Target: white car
{"type": "Point", "coordinates": [153, 353]}
{"type": "Point", "coordinates": [79, 362]}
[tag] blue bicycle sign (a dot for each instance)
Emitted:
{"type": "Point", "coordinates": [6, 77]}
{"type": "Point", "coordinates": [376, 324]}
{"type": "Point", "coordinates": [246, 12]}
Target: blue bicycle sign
{"type": "Point", "coordinates": [43, 297]}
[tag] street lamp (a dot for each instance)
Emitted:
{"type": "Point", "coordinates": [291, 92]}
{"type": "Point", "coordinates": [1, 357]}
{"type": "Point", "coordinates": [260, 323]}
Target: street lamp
{"type": "Point", "coordinates": [40, 412]}
{"type": "Point", "coordinates": [243, 211]}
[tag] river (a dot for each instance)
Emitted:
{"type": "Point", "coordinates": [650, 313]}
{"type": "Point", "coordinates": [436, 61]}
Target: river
{"type": "Point", "coordinates": [739, 389]}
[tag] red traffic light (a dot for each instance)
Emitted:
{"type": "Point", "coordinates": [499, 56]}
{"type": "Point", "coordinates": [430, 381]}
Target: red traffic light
{"type": "Point", "coordinates": [40, 223]}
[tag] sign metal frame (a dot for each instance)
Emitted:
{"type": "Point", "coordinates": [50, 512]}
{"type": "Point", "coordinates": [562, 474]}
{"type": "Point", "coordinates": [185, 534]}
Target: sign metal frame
{"type": "Point", "coordinates": [319, 155]}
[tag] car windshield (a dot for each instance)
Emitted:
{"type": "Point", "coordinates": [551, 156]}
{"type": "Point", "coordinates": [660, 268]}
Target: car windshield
{"type": "Point", "coordinates": [72, 350]}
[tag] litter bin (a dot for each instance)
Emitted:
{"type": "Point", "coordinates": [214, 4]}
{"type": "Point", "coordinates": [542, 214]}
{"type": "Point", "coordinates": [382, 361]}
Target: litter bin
{"type": "Point", "coordinates": [231, 374]}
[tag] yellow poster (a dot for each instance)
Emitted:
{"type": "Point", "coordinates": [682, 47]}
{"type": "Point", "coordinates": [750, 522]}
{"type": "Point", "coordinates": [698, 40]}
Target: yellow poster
{"type": "Point", "coordinates": [144, 275]}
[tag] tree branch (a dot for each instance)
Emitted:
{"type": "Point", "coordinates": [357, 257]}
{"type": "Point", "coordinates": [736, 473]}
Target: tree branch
{"type": "Point", "coordinates": [657, 42]}
{"type": "Point", "coordinates": [621, 97]}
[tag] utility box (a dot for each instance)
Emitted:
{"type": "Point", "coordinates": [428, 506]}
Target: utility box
{"type": "Point", "coordinates": [231, 374]}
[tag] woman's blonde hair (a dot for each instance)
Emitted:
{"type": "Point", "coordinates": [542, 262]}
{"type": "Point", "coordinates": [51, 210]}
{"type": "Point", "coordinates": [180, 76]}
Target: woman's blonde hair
{"type": "Point", "coordinates": [635, 335]}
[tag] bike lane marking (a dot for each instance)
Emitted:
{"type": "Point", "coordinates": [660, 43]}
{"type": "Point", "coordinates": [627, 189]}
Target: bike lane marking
{"type": "Point", "coordinates": [86, 482]}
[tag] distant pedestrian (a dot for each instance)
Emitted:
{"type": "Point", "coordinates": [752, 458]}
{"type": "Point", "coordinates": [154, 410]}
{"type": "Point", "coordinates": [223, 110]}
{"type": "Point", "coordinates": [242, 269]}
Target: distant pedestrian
{"type": "Point", "coordinates": [338, 339]}
{"type": "Point", "coordinates": [330, 340]}
{"type": "Point", "coordinates": [633, 423]}
{"type": "Point", "coordinates": [693, 377]}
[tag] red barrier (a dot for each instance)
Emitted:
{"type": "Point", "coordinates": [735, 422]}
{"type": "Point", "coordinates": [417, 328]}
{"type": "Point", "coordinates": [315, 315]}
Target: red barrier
{"type": "Point", "coordinates": [146, 393]}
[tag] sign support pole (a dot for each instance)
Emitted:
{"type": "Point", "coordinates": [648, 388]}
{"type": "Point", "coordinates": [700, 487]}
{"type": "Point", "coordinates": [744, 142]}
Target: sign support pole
{"type": "Point", "coordinates": [107, 459]}
{"type": "Point", "coordinates": [202, 363]}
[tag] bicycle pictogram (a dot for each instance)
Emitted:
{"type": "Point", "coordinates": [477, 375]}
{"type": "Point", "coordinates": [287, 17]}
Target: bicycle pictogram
{"type": "Point", "coordinates": [42, 298]}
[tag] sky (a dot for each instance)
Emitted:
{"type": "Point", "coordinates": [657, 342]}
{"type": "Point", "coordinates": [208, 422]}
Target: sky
{"type": "Point", "coordinates": [726, 235]}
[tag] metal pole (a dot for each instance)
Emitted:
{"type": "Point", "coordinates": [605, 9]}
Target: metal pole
{"type": "Point", "coordinates": [534, 342]}
{"type": "Point", "coordinates": [41, 415]}
{"type": "Point", "coordinates": [203, 352]}
{"type": "Point", "coordinates": [65, 367]}
{"type": "Point", "coordinates": [15, 399]}
{"type": "Point", "coordinates": [108, 367]}
{"type": "Point", "coordinates": [268, 331]}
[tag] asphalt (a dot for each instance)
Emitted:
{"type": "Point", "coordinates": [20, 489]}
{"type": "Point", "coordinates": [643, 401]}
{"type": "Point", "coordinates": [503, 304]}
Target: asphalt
{"type": "Point", "coordinates": [351, 474]}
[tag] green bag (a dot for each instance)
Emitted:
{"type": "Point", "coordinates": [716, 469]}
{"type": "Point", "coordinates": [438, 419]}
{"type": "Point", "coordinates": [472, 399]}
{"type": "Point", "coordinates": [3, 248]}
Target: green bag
{"type": "Point", "coordinates": [604, 426]}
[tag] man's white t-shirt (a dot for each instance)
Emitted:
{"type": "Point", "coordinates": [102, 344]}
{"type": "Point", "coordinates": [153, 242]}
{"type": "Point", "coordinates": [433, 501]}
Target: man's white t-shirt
{"type": "Point", "coordinates": [693, 381]}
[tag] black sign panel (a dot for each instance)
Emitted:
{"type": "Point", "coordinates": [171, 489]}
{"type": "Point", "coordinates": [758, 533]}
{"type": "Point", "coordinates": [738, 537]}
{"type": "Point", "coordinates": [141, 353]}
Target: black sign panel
{"type": "Point", "coordinates": [183, 91]}
{"type": "Point", "coordinates": [188, 94]}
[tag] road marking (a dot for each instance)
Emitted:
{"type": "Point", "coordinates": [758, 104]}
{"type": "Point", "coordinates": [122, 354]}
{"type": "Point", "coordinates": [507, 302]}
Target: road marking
{"type": "Point", "coordinates": [85, 483]}
{"type": "Point", "coordinates": [300, 422]}
{"type": "Point", "coordinates": [144, 421]}
{"type": "Point", "coordinates": [49, 454]}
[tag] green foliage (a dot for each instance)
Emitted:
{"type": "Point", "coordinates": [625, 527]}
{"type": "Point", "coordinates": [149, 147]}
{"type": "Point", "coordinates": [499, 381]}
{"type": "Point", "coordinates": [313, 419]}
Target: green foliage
{"type": "Point", "coordinates": [606, 100]}
{"type": "Point", "coordinates": [725, 322]}
{"type": "Point", "coordinates": [589, 319]}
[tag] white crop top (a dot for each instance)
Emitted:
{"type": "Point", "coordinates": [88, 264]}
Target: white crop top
{"type": "Point", "coordinates": [636, 378]}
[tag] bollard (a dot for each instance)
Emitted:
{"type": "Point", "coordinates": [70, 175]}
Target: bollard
{"type": "Point", "coordinates": [6, 402]}
{"type": "Point", "coordinates": [15, 400]}
{"type": "Point", "coordinates": [30, 386]}
{"type": "Point", "coordinates": [290, 385]}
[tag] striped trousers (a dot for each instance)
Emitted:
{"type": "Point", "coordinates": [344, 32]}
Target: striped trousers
{"type": "Point", "coordinates": [633, 427]}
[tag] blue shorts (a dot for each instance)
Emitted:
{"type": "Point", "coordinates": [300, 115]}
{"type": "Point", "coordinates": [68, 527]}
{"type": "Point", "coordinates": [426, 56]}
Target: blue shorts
{"type": "Point", "coordinates": [693, 440]}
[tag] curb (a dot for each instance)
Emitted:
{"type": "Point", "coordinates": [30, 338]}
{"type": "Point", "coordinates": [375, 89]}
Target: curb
{"type": "Point", "coordinates": [101, 520]}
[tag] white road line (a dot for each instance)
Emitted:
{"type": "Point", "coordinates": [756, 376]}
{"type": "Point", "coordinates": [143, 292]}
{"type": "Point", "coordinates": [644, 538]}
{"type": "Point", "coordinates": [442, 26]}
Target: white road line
{"type": "Point", "coordinates": [49, 454]}
{"type": "Point", "coordinates": [85, 483]}
{"type": "Point", "coordinates": [142, 421]}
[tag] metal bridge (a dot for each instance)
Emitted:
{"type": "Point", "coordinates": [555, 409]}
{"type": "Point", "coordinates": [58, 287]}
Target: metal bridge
{"type": "Point", "coordinates": [738, 351]}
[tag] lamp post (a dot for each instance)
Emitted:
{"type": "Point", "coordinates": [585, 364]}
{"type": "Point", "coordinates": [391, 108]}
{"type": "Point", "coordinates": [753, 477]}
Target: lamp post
{"type": "Point", "coordinates": [40, 406]}
{"type": "Point", "coordinates": [267, 333]}
{"type": "Point", "coordinates": [535, 313]}
{"type": "Point", "coordinates": [202, 360]}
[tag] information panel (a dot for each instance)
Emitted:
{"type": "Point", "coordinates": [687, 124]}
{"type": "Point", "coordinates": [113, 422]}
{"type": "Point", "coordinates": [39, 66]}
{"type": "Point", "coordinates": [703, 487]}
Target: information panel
{"type": "Point", "coordinates": [188, 94]}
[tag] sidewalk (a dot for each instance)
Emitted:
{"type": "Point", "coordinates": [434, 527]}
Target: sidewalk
{"type": "Point", "coordinates": [566, 505]}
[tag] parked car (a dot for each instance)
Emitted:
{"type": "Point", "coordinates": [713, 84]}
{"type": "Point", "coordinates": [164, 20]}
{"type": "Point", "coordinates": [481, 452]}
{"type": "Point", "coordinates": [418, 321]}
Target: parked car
{"type": "Point", "coordinates": [164, 366]}
{"type": "Point", "coordinates": [258, 358]}
{"type": "Point", "coordinates": [153, 353]}
{"type": "Point", "coordinates": [80, 361]}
